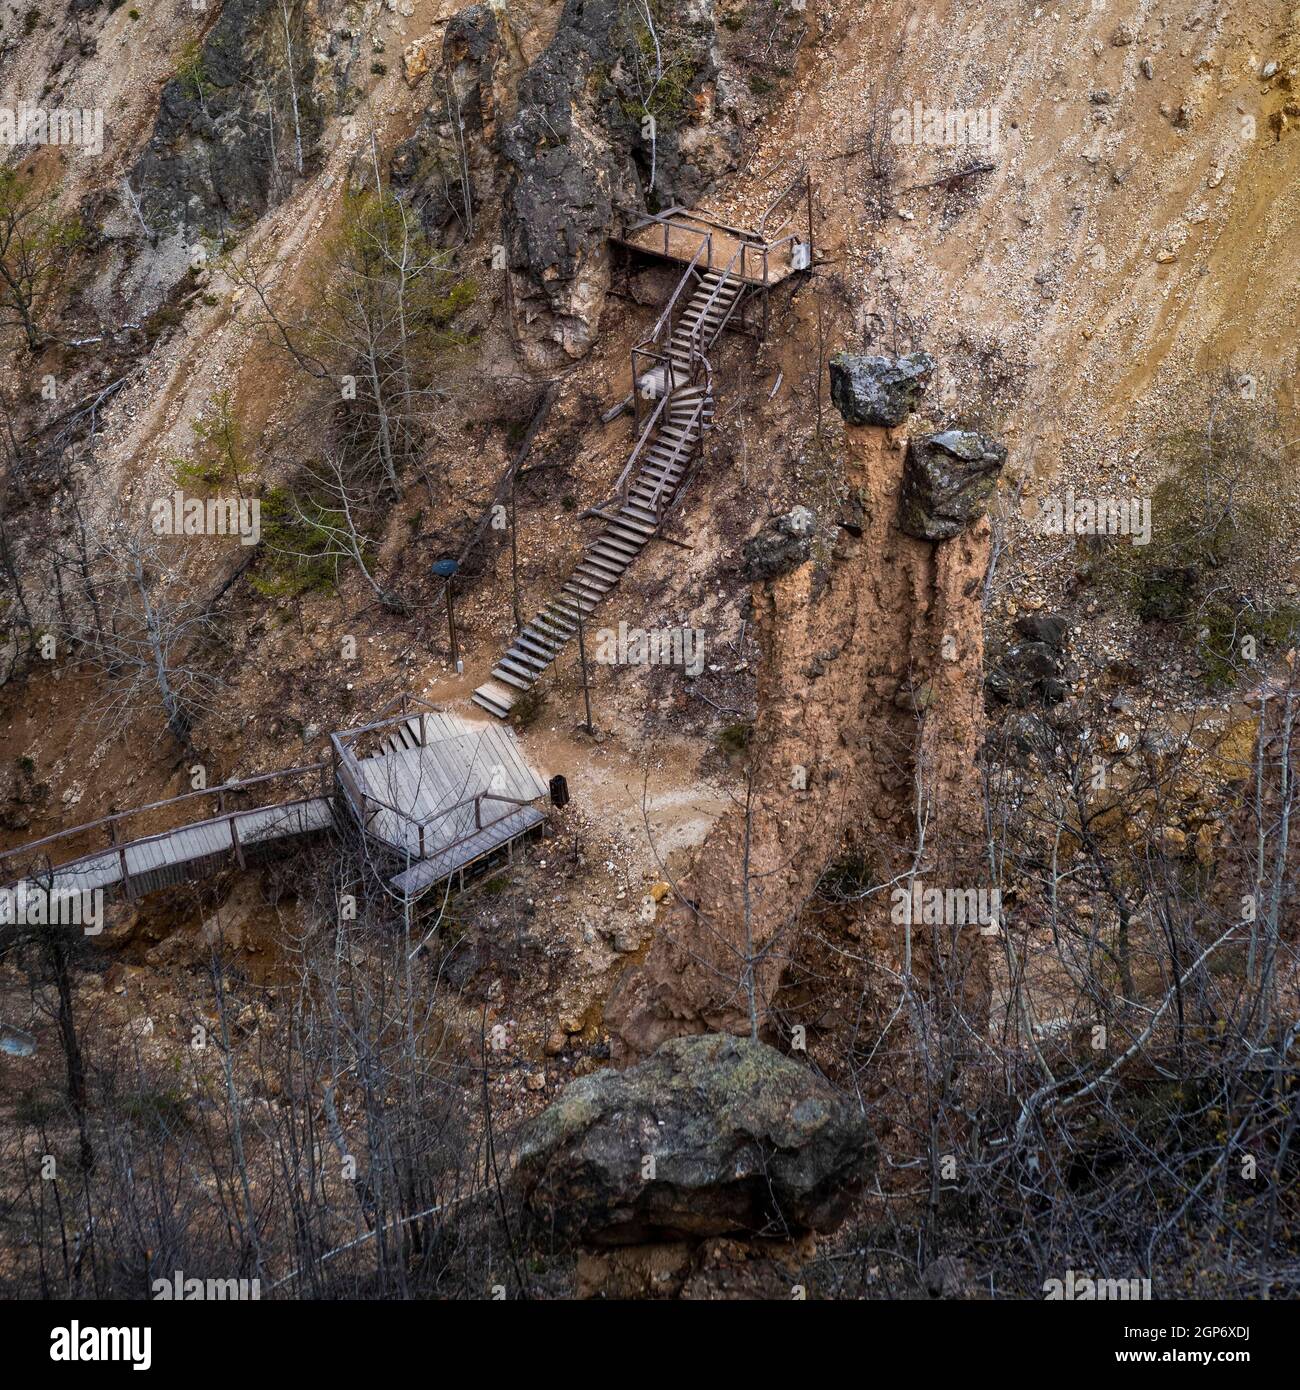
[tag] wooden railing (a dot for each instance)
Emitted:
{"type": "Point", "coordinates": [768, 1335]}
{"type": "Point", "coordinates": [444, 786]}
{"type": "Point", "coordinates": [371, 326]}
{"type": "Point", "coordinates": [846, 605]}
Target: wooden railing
{"type": "Point", "coordinates": [363, 803]}
{"type": "Point", "coordinates": [113, 824]}
{"type": "Point", "coordinates": [758, 246]}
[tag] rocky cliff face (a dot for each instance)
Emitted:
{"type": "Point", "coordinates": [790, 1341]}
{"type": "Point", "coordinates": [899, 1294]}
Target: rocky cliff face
{"type": "Point", "coordinates": [618, 111]}
{"type": "Point", "coordinates": [451, 162]}
{"type": "Point", "coordinates": [243, 117]}
{"type": "Point", "coordinates": [869, 720]}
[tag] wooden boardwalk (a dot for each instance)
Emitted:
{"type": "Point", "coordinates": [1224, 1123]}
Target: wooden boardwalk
{"type": "Point", "coordinates": [435, 795]}
{"type": "Point", "coordinates": [679, 235]}
{"type": "Point", "coordinates": [187, 852]}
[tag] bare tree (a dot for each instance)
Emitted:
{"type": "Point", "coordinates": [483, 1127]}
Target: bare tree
{"type": "Point", "coordinates": [35, 244]}
{"type": "Point", "coordinates": [149, 646]}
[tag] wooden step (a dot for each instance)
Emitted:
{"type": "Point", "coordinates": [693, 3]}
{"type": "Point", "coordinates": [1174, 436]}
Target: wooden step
{"type": "Point", "coordinates": [523, 655]}
{"type": "Point", "coordinates": [670, 455]}
{"type": "Point", "coordinates": [556, 618]}
{"type": "Point", "coordinates": [516, 664]}
{"type": "Point", "coordinates": [625, 548]}
{"type": "Point", "coordinates": [511, 677]}
{"type": "Point", "coordinates": [602, 567]}
{"type": "Point", "coordinates": [655, 474]}
{"type": "Point", "coordinates": [606, 568]}
{"type": "Point", "coordinates": [590, 572]}
{"type": "Point", "coordinates": [538, 637]}
{"type": "Point", "coordinates": [596, 587]}
{"type": "Point", "coordinates": [551, 628]}
{"type": "Point", "coordinates": [496, 699]}
{"type": "Point", "coordinates": [616, 548]}
{"type": "Point", "coordinates": [568, 604]}
{"type": "Point", "coordinates": [533, 647]}
{"type": "Point", "coordinates": [613, 557]}
{"type": "Point", "coordinates": [575, 587]}
{"type": "Point", "coordinates": [627, 535]}
{"type": "Point", "coordinates": [618, 562]}
{"type": "Point", "coordinates": [634, 513]}
{"type": "Point", "coordinates": [594, 590]}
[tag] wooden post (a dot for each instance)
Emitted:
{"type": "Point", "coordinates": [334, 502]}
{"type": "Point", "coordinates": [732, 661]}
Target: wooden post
{"type": "Point", "coordinates": [234, 840]}
{"type": "Point", "coordinates": [451, 623]}
{"type": "Point", "coordinates": [810, 220]}
{"type": "Point", "coordinates": [582, 657]}
{"type": "Point", "coordinates": [514, 555]}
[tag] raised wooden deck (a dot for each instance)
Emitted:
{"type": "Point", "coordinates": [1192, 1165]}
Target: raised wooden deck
{"type": "Point", "coordinates": [440, 791]}
{"type": "Point", "coordinates": [679, 234]}
{"type": "Point", "coordinates": [502, 835]}
{"type": "Point", "coordinates": [432, 788]}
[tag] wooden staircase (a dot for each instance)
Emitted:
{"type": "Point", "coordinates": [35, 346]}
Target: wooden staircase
{"type": "Point", "coordinates": [680, 381]}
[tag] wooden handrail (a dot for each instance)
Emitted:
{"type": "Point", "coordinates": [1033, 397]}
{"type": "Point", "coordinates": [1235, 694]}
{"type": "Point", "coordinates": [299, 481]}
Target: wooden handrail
{"type": "Point", "coordinates": [125, 845]}
{"type": "Point", "coordinates": [118, 816]}
{"type": "Point", "coordinates": [665, 317]}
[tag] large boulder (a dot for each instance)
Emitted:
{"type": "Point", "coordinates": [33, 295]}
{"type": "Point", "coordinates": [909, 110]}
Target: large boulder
{"type": "Point", "coordinates": [947, 480]}
{"type": "Point", "coordinates": [781, 546]}
{"type": "Point", "coordinates": [878, 390]}
{"type": "Point", "coordinates": [711, 1135]}
{"type": "Point", "coordinates": [1032, 672]}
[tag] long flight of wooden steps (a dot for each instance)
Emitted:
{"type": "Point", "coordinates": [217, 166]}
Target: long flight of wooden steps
{"type": "Point", "coordinates": [666, 449]}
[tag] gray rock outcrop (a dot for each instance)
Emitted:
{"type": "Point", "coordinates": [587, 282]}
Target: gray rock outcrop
{"type": "Point", "coordinates": [781, 546]}
{"type": "Point", "coordinates": [947, 480]}
{"type": "Point", "coordinates": [451, 159]}
{"type": "Point", "coordinates": [879, 391]}
{"type": "Point", "coordinates": [580, 144]}
{"type": "Point", "coordinates": [224, 145]}
{"type": "Point", "coordinates": [1031, 672]}
{"type": "Point", "coordinates": [711, 1135]}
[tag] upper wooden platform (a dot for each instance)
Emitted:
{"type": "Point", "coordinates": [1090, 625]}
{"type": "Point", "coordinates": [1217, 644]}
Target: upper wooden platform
{"type": "Point", "coordinates": [681, 235]}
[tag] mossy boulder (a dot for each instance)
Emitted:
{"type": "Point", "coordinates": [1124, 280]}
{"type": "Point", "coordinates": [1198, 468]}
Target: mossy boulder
{"type": "Point", "coordinates": [878, 390]}
{"type": "Point", "coordinates": [947, 480]}
{"type": "Point", "coordinates": [712, 1135]}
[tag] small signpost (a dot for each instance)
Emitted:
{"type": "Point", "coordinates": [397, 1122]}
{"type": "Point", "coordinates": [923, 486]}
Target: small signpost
{"type": "Point", "coordinates": [448, 569]}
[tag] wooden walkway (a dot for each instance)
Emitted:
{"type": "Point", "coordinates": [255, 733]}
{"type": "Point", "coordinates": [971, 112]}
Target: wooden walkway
{"type": "Point", "coordinates": [679, 235]}
{"type": "Point", "coordinates": [435, 795]}
{"type": "Point", "coordinates": [187, 852]}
